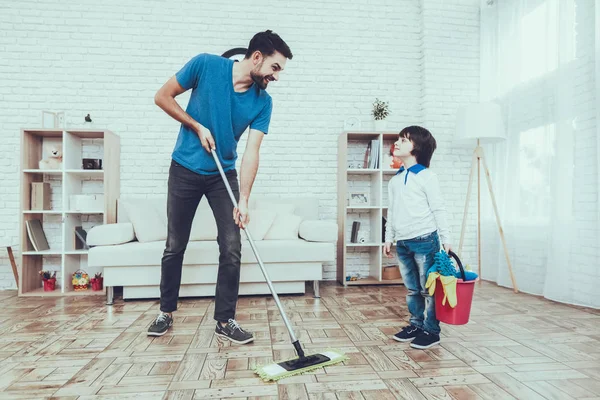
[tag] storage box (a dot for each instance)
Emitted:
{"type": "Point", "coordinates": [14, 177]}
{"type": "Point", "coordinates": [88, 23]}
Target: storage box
{"type": "Point", "coordinates": [391, 272]}
{"type": "Point", "coordinates": [40, 196]}
{"type": "Point", "coordinates": [86, 202]}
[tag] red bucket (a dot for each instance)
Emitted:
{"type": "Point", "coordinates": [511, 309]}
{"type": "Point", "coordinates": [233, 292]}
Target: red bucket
{"type": "Point", "coordinates": [458, 315]}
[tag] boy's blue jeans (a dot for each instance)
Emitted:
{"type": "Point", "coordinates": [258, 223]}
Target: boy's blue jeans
{"type": "Point", "coordinates": [416, 256]}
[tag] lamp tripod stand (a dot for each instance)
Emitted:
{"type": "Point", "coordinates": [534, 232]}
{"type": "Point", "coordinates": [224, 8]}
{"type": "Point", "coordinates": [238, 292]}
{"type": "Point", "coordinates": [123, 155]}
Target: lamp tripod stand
{"type": "Point", "coordinates": [477, 159]}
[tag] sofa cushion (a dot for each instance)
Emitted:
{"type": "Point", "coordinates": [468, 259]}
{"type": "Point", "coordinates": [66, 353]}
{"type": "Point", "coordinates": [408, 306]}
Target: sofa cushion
{"type": "Point", "coordinates": [204, 226]}
{"type": "Point", "coordinates": [284, 227]}
{"type": "Point", "coordinates": [148, 219]}
{"type": "Point", "coordinates": [260, 223]}
{"type": "Point", "coordinates": [318, 231]}
{"type": "Point", "coordinates": [207, 252]}
{"type": "Point", "coordinates": [110, 234]}
{"type": "Point", "coordinates": [278, 207]}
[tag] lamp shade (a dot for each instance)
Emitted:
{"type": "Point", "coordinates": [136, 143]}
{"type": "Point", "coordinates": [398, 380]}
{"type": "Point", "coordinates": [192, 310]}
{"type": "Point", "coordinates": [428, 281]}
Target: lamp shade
{"type": "Point", "coordinates": [480, 121]}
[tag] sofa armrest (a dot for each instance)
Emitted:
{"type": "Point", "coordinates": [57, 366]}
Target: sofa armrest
{"type": "Point", "coordinates": [318, 231]}
{"type": "Point", "coordinates": [110, 234]}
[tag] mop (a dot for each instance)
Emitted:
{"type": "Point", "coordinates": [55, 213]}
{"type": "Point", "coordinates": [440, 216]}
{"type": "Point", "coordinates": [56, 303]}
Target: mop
{"type": "Point", "coordinates": [295, 366]}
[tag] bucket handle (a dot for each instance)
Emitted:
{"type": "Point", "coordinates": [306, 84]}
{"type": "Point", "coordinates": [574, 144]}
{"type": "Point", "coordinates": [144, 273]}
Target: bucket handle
{"type": "Point", "coordinates": [460, 266]}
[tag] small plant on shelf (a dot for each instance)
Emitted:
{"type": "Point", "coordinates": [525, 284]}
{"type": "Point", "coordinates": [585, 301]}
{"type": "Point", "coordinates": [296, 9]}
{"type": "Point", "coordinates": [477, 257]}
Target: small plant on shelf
{"type": "Point", "coordinates": [380, 110]}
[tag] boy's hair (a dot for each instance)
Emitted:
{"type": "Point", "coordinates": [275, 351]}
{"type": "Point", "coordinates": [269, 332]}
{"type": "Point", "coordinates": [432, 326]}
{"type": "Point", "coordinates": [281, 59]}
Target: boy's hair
{"type": "Point", "coordinates": [267, 43]}
{"type": "Point", "coordinates": [423, 143]}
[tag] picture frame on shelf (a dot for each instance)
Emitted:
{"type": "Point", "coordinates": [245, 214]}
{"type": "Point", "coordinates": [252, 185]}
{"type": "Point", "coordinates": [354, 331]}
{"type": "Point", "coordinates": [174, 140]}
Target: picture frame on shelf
{"type": "Point", "coordinates": [359, 198]}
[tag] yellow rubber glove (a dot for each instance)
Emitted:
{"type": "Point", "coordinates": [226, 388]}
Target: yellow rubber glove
{"type": "Point", "coordinates": [449, 285]}
{"type": "Point", "coordinates": [431, 280]}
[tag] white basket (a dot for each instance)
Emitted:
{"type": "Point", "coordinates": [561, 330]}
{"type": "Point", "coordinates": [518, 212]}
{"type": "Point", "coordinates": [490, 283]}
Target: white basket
{"type": "Point", "coordinates": [86, 202]}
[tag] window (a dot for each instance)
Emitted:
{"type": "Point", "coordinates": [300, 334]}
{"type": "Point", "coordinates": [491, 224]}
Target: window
{"type": "Point", "coordinates": [536, 159]}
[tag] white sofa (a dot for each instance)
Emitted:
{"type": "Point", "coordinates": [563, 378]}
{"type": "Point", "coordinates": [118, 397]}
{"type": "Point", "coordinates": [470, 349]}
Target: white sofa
{"type": "Point", "coordinates": [291, 240]}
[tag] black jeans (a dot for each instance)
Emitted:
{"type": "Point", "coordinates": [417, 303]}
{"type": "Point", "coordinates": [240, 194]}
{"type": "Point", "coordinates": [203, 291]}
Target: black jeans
{"type": "Point", "coordinates": [185, 191]}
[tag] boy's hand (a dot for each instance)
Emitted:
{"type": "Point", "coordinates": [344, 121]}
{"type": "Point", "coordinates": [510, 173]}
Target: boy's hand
{"type": "Point", "coordinates": [387, 249]}
{"type": "Point", "coordinates": [447, 248]}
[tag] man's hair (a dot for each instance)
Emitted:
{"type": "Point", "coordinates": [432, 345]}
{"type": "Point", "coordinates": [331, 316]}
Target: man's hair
{"type": "Point", "coordinates": [423, 143]}
{"type": "Point", "coordinates": [268, 43]}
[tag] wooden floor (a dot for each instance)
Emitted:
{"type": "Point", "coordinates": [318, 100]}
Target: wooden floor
{"type": "Point", "coordinates": [516, 346]}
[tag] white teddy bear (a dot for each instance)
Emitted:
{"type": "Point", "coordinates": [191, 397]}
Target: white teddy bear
{"type": "Point", "coordinates": [54, 159]}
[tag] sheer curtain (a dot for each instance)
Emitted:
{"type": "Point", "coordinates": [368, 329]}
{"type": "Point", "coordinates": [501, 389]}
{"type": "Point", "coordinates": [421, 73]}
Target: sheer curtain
{"type": "Point", "coordinates": [540, 61]}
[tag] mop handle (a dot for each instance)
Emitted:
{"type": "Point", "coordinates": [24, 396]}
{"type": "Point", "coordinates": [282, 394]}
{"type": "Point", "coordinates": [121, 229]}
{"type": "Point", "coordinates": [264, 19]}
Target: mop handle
{"type": "Point", "coordinates": [260, 263]}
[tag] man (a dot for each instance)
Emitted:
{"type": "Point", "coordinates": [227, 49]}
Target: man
{"type": "Point", "coordinates": [227, 97]}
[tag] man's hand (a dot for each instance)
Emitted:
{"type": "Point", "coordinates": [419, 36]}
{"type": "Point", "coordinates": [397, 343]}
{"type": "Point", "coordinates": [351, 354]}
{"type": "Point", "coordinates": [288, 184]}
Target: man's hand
{"type": "Point", "coordinates": [447, 248]}
{"type": "Point", "coordinates": [206, 137]}
{"type": "Point", "coordinates": [387, 249]}
{"type": "Point", "coordinates": [240, 213]}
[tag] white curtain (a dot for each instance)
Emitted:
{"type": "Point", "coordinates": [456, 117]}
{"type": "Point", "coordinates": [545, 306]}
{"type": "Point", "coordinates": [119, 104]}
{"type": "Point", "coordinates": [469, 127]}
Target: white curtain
{"type": "Point", "coordinates": [540, 61]}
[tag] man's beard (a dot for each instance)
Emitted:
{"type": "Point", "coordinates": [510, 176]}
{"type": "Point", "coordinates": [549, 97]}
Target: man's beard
{"type": "Point", "coordinates": [261, 80]}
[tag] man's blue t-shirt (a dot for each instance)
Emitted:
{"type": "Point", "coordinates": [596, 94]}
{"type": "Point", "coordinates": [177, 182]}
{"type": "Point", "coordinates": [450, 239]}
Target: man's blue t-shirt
{"type": "Point", "coordinates": [215, 105]}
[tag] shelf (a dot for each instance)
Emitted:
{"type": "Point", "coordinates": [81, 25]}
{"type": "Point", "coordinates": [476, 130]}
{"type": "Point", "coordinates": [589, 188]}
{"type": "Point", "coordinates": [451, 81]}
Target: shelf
{"type": "Point", "coordinates": [40, 292]}
{"type": "Point", "coordinates": [373, 281]}
{"type": "Point", "coordinates": [42, 253]}
{"type": "Point", "coordinates": [57, 293]}
{"type": "Point", "coordinates": [363, 244]}
{"type": "Point", "coordinates": [390, 171]}
{"type": "Point", "coordinates": [361, 135]}
{"type": "Point", "coordinates": [49, 133]}
{"type": "Point", "coordinates": [362, 171]}
{"type": "Point", "coordinates": [88, 173]}
{"type": "Point", "coordinates": [69, 179]}
{"type": "Point", "coordinates": [363, 207]}
{"type": "Point", "coordinates": [87, 133]}
{"type": "Point", "coordinates": [43, 171]}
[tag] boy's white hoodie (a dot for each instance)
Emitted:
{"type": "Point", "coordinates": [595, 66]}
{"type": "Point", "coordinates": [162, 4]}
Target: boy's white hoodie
{"type": "Point", "coordinates": [416, 206]}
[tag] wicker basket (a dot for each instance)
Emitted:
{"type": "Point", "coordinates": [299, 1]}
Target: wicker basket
{"type": "Point", "coordinates": [81, 280]}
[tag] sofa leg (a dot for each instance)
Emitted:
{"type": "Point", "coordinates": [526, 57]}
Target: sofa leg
{"type": "Point", "coordinates": [110, 295]}
{"type": "Point", "coordinates": [316, 294]}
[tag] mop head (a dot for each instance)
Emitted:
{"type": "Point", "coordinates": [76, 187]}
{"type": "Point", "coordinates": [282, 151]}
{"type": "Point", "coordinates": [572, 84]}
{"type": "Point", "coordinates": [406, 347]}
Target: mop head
{"type": "Point", "coordinates": [296, 366]}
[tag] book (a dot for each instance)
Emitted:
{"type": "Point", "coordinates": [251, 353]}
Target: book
{"type": "Point", "coordinates": [355, 228]}
{"type": "Point", "coordinates": [80, 238]}
{"type": "Point", "coordinates": [36, 235]}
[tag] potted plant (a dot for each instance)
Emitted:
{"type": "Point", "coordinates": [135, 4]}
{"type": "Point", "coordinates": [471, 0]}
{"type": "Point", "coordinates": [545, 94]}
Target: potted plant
{"type": "Point", "coordinates": [97, 281]}
{"type": "Point", "coordinates": [380, 112]}
{"type": "Point", "coordinates": [49, 279]}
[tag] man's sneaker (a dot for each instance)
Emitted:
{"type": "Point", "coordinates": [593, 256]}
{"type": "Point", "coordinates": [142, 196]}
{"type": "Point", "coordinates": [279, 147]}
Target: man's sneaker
{"type": "Point", "coordinates": [161, 325]}
{"type": "Point", "coordinates": [407, 334]}
{"type": "Point", "coordinates": [233, 332]}
{"type": "Point", "coordinates": [425, 340]}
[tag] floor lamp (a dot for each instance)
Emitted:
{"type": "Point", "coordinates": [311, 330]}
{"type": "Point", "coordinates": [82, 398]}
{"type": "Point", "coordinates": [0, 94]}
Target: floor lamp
{"type": "Point", "coordinates": [479, 123]}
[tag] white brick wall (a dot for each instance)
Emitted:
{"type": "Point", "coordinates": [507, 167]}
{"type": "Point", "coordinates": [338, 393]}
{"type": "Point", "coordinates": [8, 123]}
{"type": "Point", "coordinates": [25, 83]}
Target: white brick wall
{"type": "Point", "coordinates": [451, 79]}
{"type": "Point", "coordinates": [108, 59]}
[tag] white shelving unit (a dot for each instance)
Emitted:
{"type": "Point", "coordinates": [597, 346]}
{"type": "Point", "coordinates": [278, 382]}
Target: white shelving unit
{"type": "Point", "coordinates": [60, 221]}
{"type": "Point", "coordinates": [354, 177]}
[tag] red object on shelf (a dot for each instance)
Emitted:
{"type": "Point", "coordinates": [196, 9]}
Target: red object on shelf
{"type": "Point", "coordinates": [97, 283]}
{"type": "Point", "coordinates": [49, 284]}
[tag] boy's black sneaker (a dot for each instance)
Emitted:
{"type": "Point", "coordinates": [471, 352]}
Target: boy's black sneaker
{"type": "Point", "coordinates": [233, 332]}
{"type": "Point", "coordinates": [407, 334]}
{"type": "Point", "coordinates": [425, 340]}
{"type": "Point", "coordinates": [161, 325]}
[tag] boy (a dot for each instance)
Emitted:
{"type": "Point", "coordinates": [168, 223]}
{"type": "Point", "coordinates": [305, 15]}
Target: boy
{"type": "Point", "coordinates": [416, 222]}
